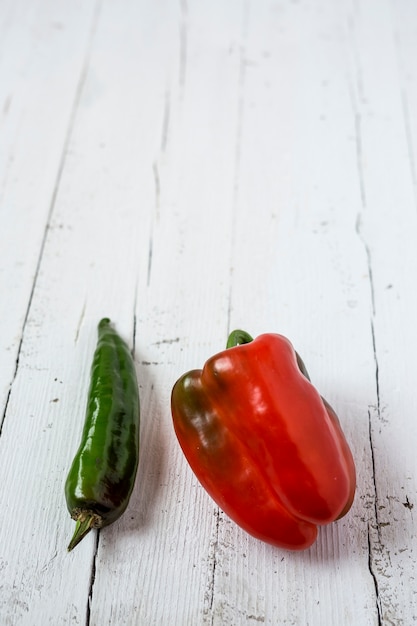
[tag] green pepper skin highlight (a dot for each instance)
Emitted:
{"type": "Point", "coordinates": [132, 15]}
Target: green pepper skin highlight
{"type": "Point", "coordinates": [102, 475]}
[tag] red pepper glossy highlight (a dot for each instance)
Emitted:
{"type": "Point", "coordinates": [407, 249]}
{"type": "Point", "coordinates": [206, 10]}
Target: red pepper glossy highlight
{"type": "Point", "coordinates": [263, 442]}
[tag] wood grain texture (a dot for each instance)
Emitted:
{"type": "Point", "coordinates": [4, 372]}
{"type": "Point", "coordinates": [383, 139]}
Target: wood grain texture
{"type": "Point", "coordinates": [185, 169]}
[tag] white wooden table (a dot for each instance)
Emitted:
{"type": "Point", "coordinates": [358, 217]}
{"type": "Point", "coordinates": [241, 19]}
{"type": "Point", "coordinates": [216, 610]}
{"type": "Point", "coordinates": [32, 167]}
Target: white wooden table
{"type": "Point", "coordinates": [187, 168]}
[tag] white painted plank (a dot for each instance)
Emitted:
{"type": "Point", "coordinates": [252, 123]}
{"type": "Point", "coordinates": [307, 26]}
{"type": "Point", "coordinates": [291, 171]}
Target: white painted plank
{"type": "Point", "coordinates": [389, 202]}
{"type": "Point", "coordinates": [97, 242]}
{"type": "Point", "coordinates": [42, 51]}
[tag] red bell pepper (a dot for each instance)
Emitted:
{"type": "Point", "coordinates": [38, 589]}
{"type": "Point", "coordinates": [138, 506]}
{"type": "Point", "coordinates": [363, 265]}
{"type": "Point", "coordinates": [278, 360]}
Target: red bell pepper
{"type": "Point", "coordinates": [263, 442]}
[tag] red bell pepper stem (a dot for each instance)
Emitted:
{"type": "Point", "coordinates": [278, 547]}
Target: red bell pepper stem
{"type": "Point", "coordinates": [237, 338]}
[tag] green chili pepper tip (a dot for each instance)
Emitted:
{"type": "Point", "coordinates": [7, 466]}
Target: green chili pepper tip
{"type": "Point", "coordinates": [85, 522]}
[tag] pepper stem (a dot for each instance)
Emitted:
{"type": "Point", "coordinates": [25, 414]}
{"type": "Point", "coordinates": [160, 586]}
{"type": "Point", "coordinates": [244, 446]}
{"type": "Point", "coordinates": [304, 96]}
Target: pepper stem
{"type": "Point", "coordinates": [237, 338]}
{"type": "Point", "coordinates": [85, 522]}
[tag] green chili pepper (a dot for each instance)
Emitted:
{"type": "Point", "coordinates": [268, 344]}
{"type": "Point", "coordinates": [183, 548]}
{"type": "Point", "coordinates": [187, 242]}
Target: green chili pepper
{"type": "Point", "coordinates": [102, 474]}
